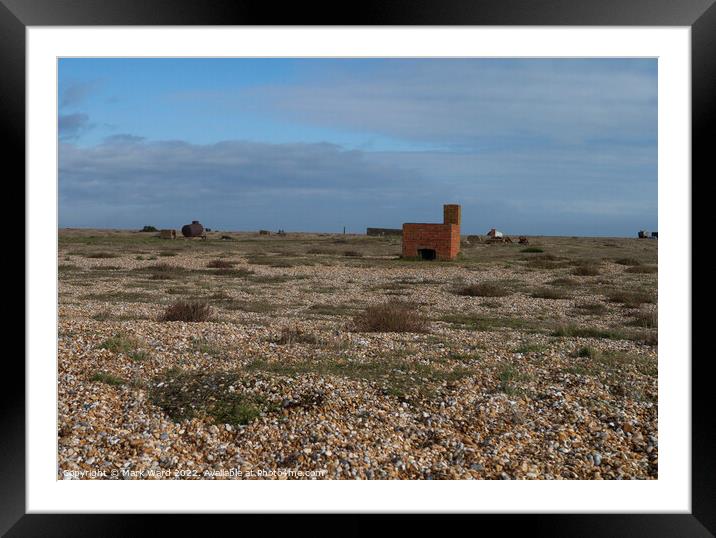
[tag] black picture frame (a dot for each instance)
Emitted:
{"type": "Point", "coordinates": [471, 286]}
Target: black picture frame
{"type": "Point", "coordinates": [16, 15]}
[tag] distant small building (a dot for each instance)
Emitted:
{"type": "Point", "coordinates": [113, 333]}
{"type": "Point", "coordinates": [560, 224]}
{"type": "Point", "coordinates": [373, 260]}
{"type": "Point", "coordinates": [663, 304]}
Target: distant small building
{"type": "Point", "coordinates": [494, 233]}
{"type": "Point", "coordinates": [195, 229]}
{"type": "Point", "coordinates": [383, 232]}
{"type": "Point", "coordinates": [168, 234]}
{"type": "Point", "coordinates": [434, 241]}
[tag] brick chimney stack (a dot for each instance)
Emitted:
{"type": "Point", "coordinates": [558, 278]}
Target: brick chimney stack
{"type": "Point", "coordinates": [451, 214]}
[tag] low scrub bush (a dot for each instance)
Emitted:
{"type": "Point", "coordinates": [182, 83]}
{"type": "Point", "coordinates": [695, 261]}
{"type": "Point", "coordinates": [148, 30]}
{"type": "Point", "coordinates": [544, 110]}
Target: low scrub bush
{"type": "Point", "coordinates": [187, 311]}
{"type": "Point", "coordinates": [549, 293]}
{"type": "Point", "coordinates": [642, 269]}
{"type": "Point", "coordinates": [630, 299]}
{"type": "Point", "coordinates": [295, 335]}
{"type": "Point", "coordinates": [627, 261]}
{"type": "Point", "coordinates": [219, 264]}
{"type": "Point", "coordinates": [392, 316]}
{"type": "Point", "coordinates": [586, 270]}
{"type": "Point", "coordinates": [484, 289]}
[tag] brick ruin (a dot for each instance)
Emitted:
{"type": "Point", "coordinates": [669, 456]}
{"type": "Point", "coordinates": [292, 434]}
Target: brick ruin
{"type": "Point", "coordinates": [434, 241]}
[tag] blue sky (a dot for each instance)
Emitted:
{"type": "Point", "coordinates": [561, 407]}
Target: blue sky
{"type": "Point", "coordinates": [529, 146]}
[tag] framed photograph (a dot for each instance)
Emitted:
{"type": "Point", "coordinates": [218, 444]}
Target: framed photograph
{"type": "Point", "coordinates": [426, 259]}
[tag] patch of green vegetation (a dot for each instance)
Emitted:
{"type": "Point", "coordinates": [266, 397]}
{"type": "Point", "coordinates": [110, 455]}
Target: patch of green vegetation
{"type": "Point", "coordinates": [101, 255]}
{"type": "Point", "coordinates": [230, 272]}
{"type": "Point", "coordinates": [586, 351]}
{"type": "Point", "coordinates": [395, 374]}
{"type": "Point", "coordinates": [589, 332]}
{"type": "Point", "coordinates": [257, 307]}
{"type": "Point", "coordinates": [631, 299]}
{"type": "Point", "coordinates": [590, 308]}
{"type": "Point", "coordinates": [119, 297]}
{"type": "Point", "coordinates": [204, 346]}
{"type": "Point", "coordinates": [532, 250]}
{"type": "Point", "coordinates": [234, 412]}
{"type": "Point", "coordinates": [107, 378]}
{"type": "Point", "coordinates": [627, 261]}
{"type": "Point", "coordinates": [119, 343]}
{"type": "Point", "coordinates": [477, 322]}
{"type": "Point", "coordinates": [549, 293]}
{"type": "Point", "coordinates": [138, 355]}
{"type": "Point", "coordinates": [530, 347]}
{"type": "Point", "coordinates": [466, 358]}
{"type": "Point", "coordinates": [545, 261]}
{"type": "Point", "coordinates": [331, 309]}
{"type": "Point", "coordinates": [642, 269]}
{"type": "Point", "coordinates": [220, 396]}
{"type": "Point", "coordinates": [617, 370]}
{"type": "Point", "coordinates": [275, 279]}
{"type": "Point", "coordinates": [279, 262]}
{"type": "Point", "coordinates": [508, 375]}
{"type": "Point", "coordinates": [564, 282]}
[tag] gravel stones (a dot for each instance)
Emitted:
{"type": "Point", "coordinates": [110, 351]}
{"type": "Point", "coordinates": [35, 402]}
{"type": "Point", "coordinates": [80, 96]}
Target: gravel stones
{"type": "Point", "coordinates": [220, 399]}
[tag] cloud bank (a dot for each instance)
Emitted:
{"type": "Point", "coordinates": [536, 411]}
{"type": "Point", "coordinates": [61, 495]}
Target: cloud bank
{"type": "Point", "coordinates": [562, 147]}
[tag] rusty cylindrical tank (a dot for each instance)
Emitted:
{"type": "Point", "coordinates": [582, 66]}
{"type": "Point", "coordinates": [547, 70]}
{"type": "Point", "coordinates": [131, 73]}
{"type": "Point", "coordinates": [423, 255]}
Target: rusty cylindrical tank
{"type": "Point", "coordinates": [192, 230]}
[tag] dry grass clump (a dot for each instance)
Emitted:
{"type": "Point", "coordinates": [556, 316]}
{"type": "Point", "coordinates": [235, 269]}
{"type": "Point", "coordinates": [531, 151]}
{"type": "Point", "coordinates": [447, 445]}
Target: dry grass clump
{"type": "Point", "coordinates": [586, 270]}
{"type": "Point", "coordinates": [630, 299]}
{"type": "Point", "coordinates": [642, 269]}
{"type": "Point", "coordinates": [392, 316]}
{"type": "Point", "coordinates": [544, 261]}
{"type": "Point", "coordinates": [590, 308]}
{"type": "Point", "coordinates": [353, 254]}
{"type": "Point", "coordinates": [587, 332]}
{"type": "Point", "coordinates": [103, 315]}
{"type": "Point", "coordinates": [628, 261]}
{"type": "Point", "coordinates": [484, 289]}
{"type": "Point", "coordinates": [187, 311]}
{"type": "Point", "coordinates": [107, 378]}
{"type": "Point", "coordinates": [295, 335]}
{"type": "Point", "coordinates": [101, 255]}
{"type": "Point", "coordinates": [645, 319]}
{"type": "Point", "coordinates": [549, 293]}
{"type": "Point", "coordinates": [564, 282]}
{"type": "Point", "coordinates": [219, 264]}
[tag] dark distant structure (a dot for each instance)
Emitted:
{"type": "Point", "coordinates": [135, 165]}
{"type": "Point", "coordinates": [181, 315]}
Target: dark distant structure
{"type": "Point", "coordinates": [195, 229]}
{"type": "Point", "coordinates": [382, 232]}
{"type": "Point", "coordinates": [434, 241]}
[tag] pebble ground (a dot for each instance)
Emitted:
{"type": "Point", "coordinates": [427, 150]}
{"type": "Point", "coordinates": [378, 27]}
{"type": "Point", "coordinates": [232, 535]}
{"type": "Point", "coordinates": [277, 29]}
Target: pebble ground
{"type": "Point", "coordinates": [496, 388]}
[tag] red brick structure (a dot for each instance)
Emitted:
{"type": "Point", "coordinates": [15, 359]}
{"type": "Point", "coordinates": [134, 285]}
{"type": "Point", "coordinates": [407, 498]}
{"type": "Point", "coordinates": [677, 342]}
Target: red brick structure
{"type": "Point", "coordinates": [434, 241]}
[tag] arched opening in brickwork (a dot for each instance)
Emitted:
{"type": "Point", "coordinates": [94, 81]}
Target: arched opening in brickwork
{"type": "Point", "coordinates": [427, 254]}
